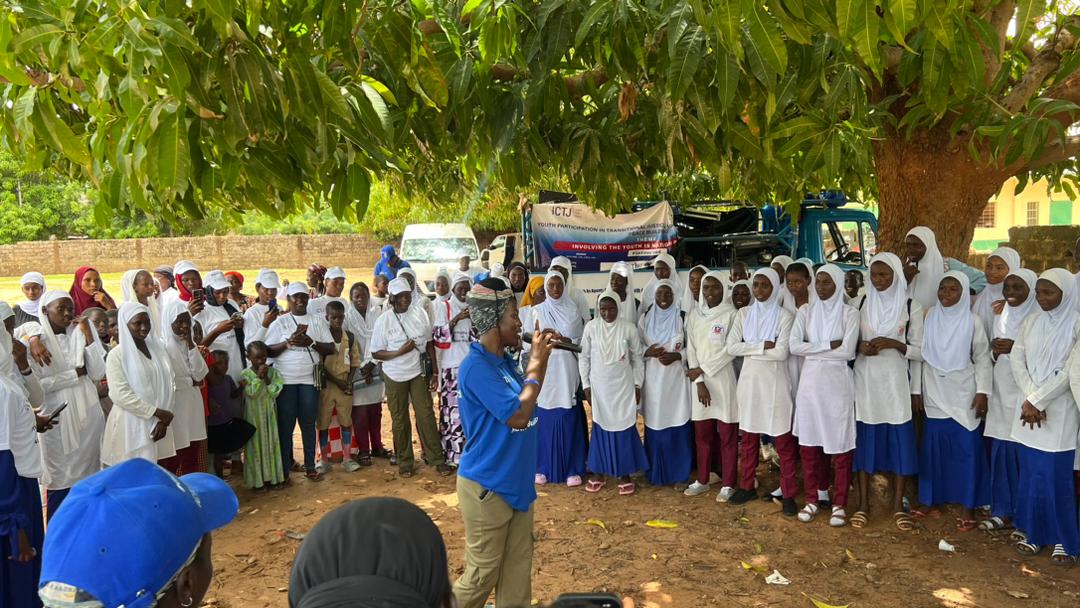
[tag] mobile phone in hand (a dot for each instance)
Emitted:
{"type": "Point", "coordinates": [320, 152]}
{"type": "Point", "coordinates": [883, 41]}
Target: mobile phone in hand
{"type": "Point", "coordinates": [56, 414]}
{"type": "Point", "coordinates": [198, 294]}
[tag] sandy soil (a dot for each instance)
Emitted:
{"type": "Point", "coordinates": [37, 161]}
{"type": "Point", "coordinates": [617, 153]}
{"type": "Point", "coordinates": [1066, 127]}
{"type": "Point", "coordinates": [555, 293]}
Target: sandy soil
{"type": "Point", "coordinates": [719, 555]}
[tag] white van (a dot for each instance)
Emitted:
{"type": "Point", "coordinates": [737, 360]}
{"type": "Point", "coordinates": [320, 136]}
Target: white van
{"type": "Point", "coordinates": [427, 247]}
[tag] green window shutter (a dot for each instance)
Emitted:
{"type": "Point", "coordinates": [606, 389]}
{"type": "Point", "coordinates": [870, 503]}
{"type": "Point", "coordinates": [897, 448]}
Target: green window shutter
{"type": "Point", "coordinates": [1060, 213]}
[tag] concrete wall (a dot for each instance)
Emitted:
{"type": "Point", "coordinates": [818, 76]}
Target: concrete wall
{"type": "Point", "coordinates": [1043, 247]}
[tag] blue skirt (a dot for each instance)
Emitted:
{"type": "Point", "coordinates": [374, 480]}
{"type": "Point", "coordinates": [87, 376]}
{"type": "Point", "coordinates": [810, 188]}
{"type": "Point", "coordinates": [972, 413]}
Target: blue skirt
{"type": "Point", "coordinates": [952, 465]}
{"type": "Point", "coordinates": [616, 453]}
{"type": "Point", "coordinates": [1046, 499]}
{"type": "Point", "coordinates": [885, 448]}
{"type": "Point", "coordinates": [560, 449]}
{"type": "Point", "coordinates": [19, 581]}
{"type": "Point", "coordinates": [670, 452]}
{"type": "Point", "coordinates": [1004, 477]}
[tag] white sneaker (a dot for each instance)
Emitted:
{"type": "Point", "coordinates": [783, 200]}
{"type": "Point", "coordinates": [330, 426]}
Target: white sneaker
{"type": "Point", "coordinates": [350, 466]}
{"type": "Point", "coordinates": [725, 494]}
{"type": "Point", "coordinates": [323, 467]}
{"type": "Point", "coordinates": [573, 481]}
{"type": "Point", "coordinates": [696, 489]}
{"type": "Point", "coordinates": [540, 479]}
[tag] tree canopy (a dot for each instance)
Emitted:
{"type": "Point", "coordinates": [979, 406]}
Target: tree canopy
{"type": "Point", "coordinates": [175, 107]}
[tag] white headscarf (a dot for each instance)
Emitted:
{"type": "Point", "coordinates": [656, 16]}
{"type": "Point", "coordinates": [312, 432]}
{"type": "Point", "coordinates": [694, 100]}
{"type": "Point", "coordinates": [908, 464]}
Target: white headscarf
{"type": "Point", "coordinates": [725, 304]}
{"type": "Point", "coordinates": [79, 400]}
{"type": "Point", "coordinates": [418, 296]}
{"type": "Point", "coordinates": [710, 353]}
{"type": "Point", "coordinates": [614, 338]}
{"type": "Point", "coordinates": [456, 305]}
{"type": "Point", "coordinates": [825, 318]}
{"type": "Point", "coordinates": [763, 319]}
{"type": "Point", "coordinates": [787, 299]}
{"type": "Point", "coordinates": [497, 270]}
{"type": "Point", "coordinates": [688, 300]}
{"type": "Point", "coordinates": [984, 303]}
{"type": "Point", "coordinates": [1011, 319]}
{"type": "Point", "coordinates": [443, 272]}
{"type": "Point", "coordinates": [560, 314]}
{"type": "Point", "coordinates": [17, 433]}
{"type": "Point", "coordinates": [648, 295]}
{"type": "Point", "coordinates": [151, 379]}
{"type": "Point", "coordinates": [742, 283]}
{"type": "Point", "coordinates": [663, 325]}
{"type": "Point", "coordinates": [947, 331]}
{"type": "Point", "coordinates": [1051, 333]}
{"type": "Point", "coordinates": [923, 288]}
{"type": "Point", "coordinates": [175, 346]}
{"type": "Point", "coordinates": [562, 262]}
{"type": "Point", "coordinates": [886, 309]}
{"type": "Point", "coordinates": [7, 364]}
{"type": "Point", "coordinates": [127, 293]}
{"type": "Point", "coordinates": [32, 307]}
{"type": "Point", "coordinates": [627, 307]}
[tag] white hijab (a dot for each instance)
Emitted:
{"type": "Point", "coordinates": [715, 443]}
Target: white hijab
{"type": "Point", "coordinates": [923, 288]}
{"type": "Point", "coordinates": [32, 307]}
{"type": "Point", "coordinates": [560, 314]}
{"type": "Point", "coordinates": [627, 307]}
{"type": "Point", "coordinates": [662, 326]}
{"type": "Point", "coordinates": [7, 363]}
{"type": "Point", "coordinates": [443, 272]}
{"type": "Point", "coordinates": [418, 296]}
{"type": "Point", "coordinates": [1051, 334]}
{"type": "Point", "coordinates": [948, 330]}
{"type": "Point", "coordinates": [175, 346]}
{"type": "Point", "coordinates": [787, 299]}
{"type": "Point", "coordinates": [886, 309]}
{"type": "Point", "coordinates": [725, 304]}
{"type": "Point", "coordinates": [648, 295]}
{"type": "Point", "coordinates": [127, 293]}
{"type": "Point", "coordinates": [984, 303]}
{"type": "Point", "coordinates": [688, 299]}
{"type": "Point", "coordinates": [1011, 319]}
{"type": "Point", "coordinates": [78, 399]}
{"type": "Point", "coordinates": [762, 322]}
{"type": "Point", "coordinates": [784, 261]}
{"type": "Point", "coordinates": [151, 379]}
{"type": "Point", "coordinates": [614, 337]}
{"type": "Point", "coordinates": [710, 354]}
{"type": "Point", "coordinates": [17, 425]}
{"type": "Point", "coordinates": [825, 318]}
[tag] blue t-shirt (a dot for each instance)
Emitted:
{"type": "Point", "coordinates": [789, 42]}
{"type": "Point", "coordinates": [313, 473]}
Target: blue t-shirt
{"type": "Point", "coordinates": [499, 458]}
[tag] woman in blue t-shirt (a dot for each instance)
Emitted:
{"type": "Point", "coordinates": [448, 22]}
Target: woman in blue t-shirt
{"type": "Point", "coordinates": [495, 478]}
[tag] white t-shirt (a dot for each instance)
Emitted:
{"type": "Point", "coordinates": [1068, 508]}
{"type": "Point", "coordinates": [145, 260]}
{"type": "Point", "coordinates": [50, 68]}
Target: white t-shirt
{"type": "Point", "coordinates": [296, 364]}
{"type": "Point", "coordinates": [391, 331]}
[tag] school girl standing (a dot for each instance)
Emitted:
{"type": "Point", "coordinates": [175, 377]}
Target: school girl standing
{"type": "Point", "coordinates": [611, 375]}
{"type": "Point", "coordinates": [1049, 421]}
{"type": "Point", "coordinates": [761, 334]}
{"type": "Point", "coordinates": [453, 334]}
{"type": "Point", "coordinates": [665, 399]}
{"type": "Point", "coordinates": [826, 334]}
{"type": "Point", "coordinates": [1018, 290]}
{"type": "Point", "coordinates": [189, 369]}
{"type": "Point", "coordinates": [990, 303]}
{"type": "Point", "coordinates": [953, 388]}
{"type": "Point", "coordinates": [561, 427]}
{"type": "Point", "coordinates": [890, 337]}
{"type": "Point", "coordinates": [714, 408]}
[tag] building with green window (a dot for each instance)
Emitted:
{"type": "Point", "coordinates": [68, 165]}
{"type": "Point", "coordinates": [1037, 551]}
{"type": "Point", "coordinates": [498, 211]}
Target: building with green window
{"type": "Point", "coordinates": [1032, 206]}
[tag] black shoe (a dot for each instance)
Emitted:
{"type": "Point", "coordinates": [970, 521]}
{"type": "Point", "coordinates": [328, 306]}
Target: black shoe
{"type": "Point", "coordinates": [790, 508]}
{"type": "Point", "coordinates": [824, 504]}
{"type": "Point", "coordinates": [742, 496]}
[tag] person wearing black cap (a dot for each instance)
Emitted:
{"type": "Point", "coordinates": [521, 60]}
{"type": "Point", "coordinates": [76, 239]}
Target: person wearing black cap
{"type": "Point", "coordinates": [135, 536]}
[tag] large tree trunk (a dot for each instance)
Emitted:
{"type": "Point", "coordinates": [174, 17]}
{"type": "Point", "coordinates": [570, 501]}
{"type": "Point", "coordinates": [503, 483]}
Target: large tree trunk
{"type": "Point", "coordinates": [925, 180]}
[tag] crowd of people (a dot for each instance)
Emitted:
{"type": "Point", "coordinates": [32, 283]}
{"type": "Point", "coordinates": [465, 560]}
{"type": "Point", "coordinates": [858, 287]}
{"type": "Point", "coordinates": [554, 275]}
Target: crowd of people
{"type": "Point", "coordinates": [902, 370]}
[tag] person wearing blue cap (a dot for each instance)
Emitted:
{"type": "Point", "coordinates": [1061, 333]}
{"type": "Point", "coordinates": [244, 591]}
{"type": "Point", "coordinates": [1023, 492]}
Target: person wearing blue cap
{"type": "Point", "coordinates": [135, 536]}
{"type": "Point", "coordinates": [389, 263]}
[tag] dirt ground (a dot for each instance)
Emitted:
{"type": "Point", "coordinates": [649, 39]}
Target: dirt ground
{"type": "Point", "coordinates": [719, 555]}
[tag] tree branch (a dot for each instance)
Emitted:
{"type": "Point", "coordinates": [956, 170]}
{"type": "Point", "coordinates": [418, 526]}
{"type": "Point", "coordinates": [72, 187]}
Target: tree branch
{"type": "Point", "coordinates": [999, 21]}
{"type": "Point", "coordinates": [1045, 63]}
{"type": "Point", "coordinates": [1056, 153]}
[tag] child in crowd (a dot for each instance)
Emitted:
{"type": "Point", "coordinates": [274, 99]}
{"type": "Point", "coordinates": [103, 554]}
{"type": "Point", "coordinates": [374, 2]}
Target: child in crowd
{"type": "Point", "coordinates": [381, 286]}
{"type": "Point", "coordinates": [262, 454]}
{"type": "Point", "coordinates": [611, 374]}
{"type": "Point", "coordinates": [739, 272]}
{"type": "Point", "coordinates": [368, 386]}
{"type": "Point", "coordinates": [336, 395]}
{"type": "Point", "coordinates": [223, 437]}
{"type": "Point", "coordinates": [854, 281]}
{"type": "Point", "coordinates": [114, 328]}
{"type": "Point", "coordinates": [100, 321]}
{"type": "Point", "coordinates": [453, 333]}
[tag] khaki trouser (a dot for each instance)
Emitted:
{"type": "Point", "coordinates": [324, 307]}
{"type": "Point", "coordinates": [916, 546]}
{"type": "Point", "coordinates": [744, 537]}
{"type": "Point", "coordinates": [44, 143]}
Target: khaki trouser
{"type": "Point", "coordinates": [498, 549]}
{"type": "Point", "coordinates": [398, 395]}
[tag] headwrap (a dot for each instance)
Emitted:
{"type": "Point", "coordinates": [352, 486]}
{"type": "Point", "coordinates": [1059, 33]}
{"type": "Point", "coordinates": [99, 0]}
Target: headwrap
{"type": "Point", "coordinates": [267, 279]}
{"type": "Point", "coordinates": [167, 272]}
{"type": "Point", "coordinates": [885, 310]}
{"type": "Point", "coordinates": [486, 306]}
{"type": "Point", "coordinates": [534, 284]}
{"type": "Point", "coordinates": [627, 307]}
{"type": "Point", "coordinates": [663, 324]}
{"type": "Point", "coordinates": [150, 378]}
{"type": "Point", "coordinates": [1011, 319]}
{"type": "Point", "coordinates": [32, 307]}
{"type": "Point", "coordinates": [762, 322]}
{"type": "Point", "coordinates": [725, 299]}
{"type": "Point", "coordinates": [371, 553]}
{"type": "Point", "coordinates": [825, 318]}
{"type": "Point", "coordinates": [560, 314]}
{"type": "Point", "coordinates": [174, 344]}
{"type": "Point", "coordinates": [923, 288]}
{"type": "Point", "coordinates": [984, 303]}
{"type": "Point", "coordinates": [1051, 334]}
{"type": "Point", "coordinates": [183, 267]}
{"type": "Point", "coordinates": [648, 295]}
{"type": "Point", "coordinates": [523, 268]}
{"type": "Point", "coordinates": [81, 299]}
{"type": "Point", "coordinates": [236, 275]}
{"type": "Point", "coordinates": [614, 337]}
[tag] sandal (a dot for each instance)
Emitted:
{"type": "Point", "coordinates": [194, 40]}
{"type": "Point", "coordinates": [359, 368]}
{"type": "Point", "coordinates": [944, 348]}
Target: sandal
{"type": "Point", "coordinates": [994, 524]}
{"type": "Point", "coordinates": [903, 521]}
{"type": "Point", "coordinates": [808, 512]}
{"type": "Point", "coordinates": [1060, 558]}
{"type": "Point", "coordinates": [594, 486]}
{"type": "Point", "coordinates": [924, 512]}
{"type": "Point", "coordinates": [313, 476]}
{"type": "Point", "coordinates": [839, 517]}
{"type": "Point", "coordinates": [626, 489]}
{"type": "Point", "coordinates": [1023, 547]}
{"type": "Point", "coordinates": [966, 525]}
{"type": "Point", "coordinates": [859, 520]}
{"type": "Point", "coordinates": [364, 461]}
{"type": "Point", "coordinates": [1017, 536]}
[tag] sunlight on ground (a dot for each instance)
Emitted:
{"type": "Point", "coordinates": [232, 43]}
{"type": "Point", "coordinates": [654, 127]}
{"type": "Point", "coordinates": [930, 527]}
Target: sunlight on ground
{"type": "Point", "coordinates": [955, 598]}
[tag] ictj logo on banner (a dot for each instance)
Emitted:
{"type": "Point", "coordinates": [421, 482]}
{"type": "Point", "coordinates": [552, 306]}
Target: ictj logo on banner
{"type": "Point", "coordinates": [592, 240]}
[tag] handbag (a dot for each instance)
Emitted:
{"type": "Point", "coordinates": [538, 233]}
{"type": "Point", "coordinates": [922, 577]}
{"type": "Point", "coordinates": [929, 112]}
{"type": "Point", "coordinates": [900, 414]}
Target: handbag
{"type": "Point", "coordinates": [318, 370]}
{"type": "Point", "coordinates": [426, 367]}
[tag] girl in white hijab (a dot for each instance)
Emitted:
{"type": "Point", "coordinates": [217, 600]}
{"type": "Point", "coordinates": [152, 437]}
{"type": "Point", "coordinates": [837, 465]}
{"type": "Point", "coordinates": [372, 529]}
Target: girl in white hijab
{"type": "Point", "coordinates": [826, 334]}
{"type": "Point", "coordinates": [991, 301]}
{"type": "Point", "coordinates": [714, 410]}
{"type": "Point", "coordinates": [1019, 293]}
{"type": "Point", "coordinates": [442, 282]}
{"type": "Point", "coordinates": [561, 429]}
{"type": "Point", "coordinates": [32, 285]}
{"type": "Point", "coordinates": [577, 296]}
{"type": "Point", "coordinates": [24, 376]}
{"type": "Point", "coordinates": [923, 266]}
{"type": "Point", "coordinates": [891, 335]}
{"type": "Point", "coordinates": [664, 267]}
{"type": "Point", "coordinates": [453, 334]}
{"type": "Point", "coordinates": [761, 334]}
{"type": "Point", "coordinates": [189, 369]}
{"type": "Point", "coordinates": [957, 379]}
{"type": "Point", "coordinates": [141, 389]}
{"type": "Point", "coordinates": [688, 302]}
{"type": "Point", "coordinates": [76, 364]}
{"type": "Point", "coordinates": [780, 265]}
{"type": "Point", "coordinates": [1045, 365]}
{"type": "Point", "coordinates": [621, 281]}
{"type": "Point", "coordinates": [665, 398]}
{"type": "Point", "coordinates": [137, 285]}
{"type": "Point", "coordinates": [612, 373]}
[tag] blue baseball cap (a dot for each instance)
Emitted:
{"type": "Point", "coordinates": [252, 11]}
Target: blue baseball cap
{"type": "Point", "coordinates": [122, 535]}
